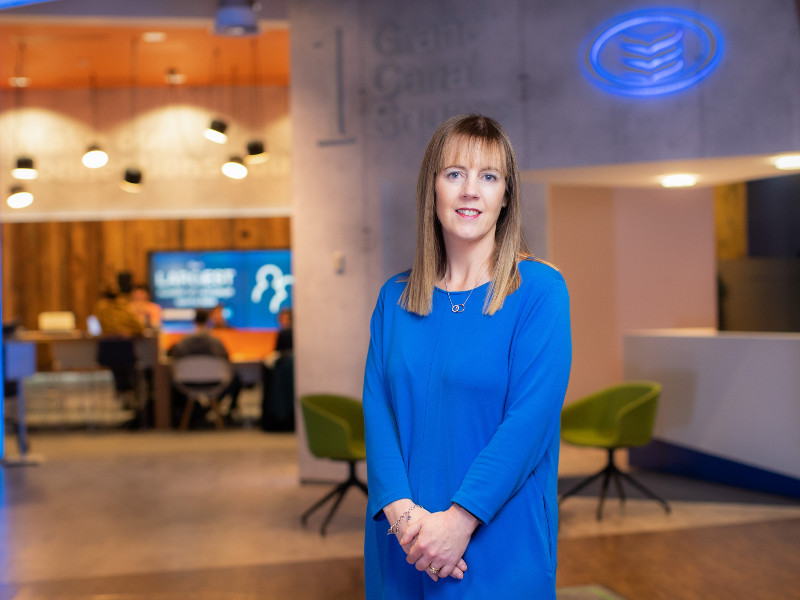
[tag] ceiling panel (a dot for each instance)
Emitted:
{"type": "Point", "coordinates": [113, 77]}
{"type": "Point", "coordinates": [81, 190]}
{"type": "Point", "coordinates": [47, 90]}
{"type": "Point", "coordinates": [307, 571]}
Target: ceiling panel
{"type": "Point", "coordinates": [69, 55]}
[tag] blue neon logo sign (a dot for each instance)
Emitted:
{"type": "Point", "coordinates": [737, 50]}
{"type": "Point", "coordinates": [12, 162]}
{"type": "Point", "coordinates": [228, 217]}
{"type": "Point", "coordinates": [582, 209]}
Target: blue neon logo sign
{"type": "Point", "coordinates": [653, 52]}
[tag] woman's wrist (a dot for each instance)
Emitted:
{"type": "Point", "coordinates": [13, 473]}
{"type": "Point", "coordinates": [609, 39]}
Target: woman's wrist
{"type": "Point", "coordinates": [393, 510]}
{"type": "Point", "coordinates": [469, 521]}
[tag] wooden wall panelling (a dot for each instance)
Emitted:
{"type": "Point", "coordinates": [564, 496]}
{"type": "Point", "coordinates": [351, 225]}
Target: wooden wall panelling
{"type": "Point", "coordinates": [114, 245]}
{"type": "Point", "coordinates": [261, 233]}
{"type": "Point", "coordinates": [54, 254]}
{"type": "Point", "coordinates": [207, 234]}
{"type": "Point", "coordinates": [63, 266]}
{"type": "Point", "coordinates": [7, 241]}
{"type": "Point", "coordinates": [28, 263]}
{"type": "Point", "coordinates": [85, 267]}
{"type": "Point", "coordinates": [152, 235]}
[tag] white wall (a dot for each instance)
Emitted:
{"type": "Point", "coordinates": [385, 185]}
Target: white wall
{"type": "Point", "coordinates": [632, 259]}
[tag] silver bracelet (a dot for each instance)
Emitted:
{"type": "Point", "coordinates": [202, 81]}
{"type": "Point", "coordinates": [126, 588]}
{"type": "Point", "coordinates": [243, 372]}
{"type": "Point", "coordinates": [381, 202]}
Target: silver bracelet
{"type": "Point", "coordinates": [406, 515]}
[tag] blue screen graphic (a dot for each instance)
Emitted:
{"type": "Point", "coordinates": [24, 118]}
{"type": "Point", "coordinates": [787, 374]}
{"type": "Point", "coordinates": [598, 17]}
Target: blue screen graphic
{"type": "Point", "coordinates": [251, 285]}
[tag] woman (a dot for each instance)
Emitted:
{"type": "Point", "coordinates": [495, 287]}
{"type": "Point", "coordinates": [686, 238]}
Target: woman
{"type": "Point", "coordinates": [467, 368]}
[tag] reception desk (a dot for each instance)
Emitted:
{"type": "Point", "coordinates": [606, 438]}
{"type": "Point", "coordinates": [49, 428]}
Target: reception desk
{"type": "Point", "coordinates": [76, 351]}
{"type": "Point", "coordinates": [730, 406]}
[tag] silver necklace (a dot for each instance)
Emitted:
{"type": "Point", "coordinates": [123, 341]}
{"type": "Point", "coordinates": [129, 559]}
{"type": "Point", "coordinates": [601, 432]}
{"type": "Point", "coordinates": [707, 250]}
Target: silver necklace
{"type": "Point", "coordinates": [458, 308]}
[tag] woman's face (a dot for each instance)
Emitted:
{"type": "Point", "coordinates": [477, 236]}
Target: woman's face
{"type": "Point", "coordinates": [470, 192]}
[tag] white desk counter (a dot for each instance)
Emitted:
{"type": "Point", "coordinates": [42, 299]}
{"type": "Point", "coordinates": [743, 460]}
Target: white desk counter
{"type": "Point", "coordinates": [731, 397]}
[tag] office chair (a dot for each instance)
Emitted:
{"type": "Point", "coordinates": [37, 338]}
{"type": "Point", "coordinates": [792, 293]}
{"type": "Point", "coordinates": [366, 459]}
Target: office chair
{"type": "Point", "coordinates": [202, 379]}
{"type": "Point", "coordinates": [335, 430]}
{"type": "Point", "coordinates": [620, 416]}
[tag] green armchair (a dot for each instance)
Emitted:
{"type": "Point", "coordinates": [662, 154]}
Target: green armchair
{"type": "Point", "coordinates": [335, 430]}
{"type": "Point", "coordinates": [620, 416]}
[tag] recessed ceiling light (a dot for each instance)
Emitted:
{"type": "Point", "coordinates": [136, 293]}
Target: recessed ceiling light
{"type": "Point", "coordinates": [19, 82]}
{"type": "Point", "coordinates": [174, 78]}
{"type": "Point", "coordinates": [154, 36]}
{"type": "Point", "coordinates": [788, 162]}
{"type": "Point", "coordinates": [678, 180]}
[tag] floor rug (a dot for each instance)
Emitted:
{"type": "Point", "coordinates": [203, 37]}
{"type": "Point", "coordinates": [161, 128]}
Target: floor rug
{"type": "Point", "coordinates": [587, 592]}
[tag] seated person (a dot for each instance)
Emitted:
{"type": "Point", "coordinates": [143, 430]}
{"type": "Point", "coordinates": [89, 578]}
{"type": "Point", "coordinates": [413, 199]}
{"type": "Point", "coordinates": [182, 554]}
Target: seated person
{"type": "Point", "coordinates": [216, 317]}
{"type": "Point", "coordinates": [201, 342]}
{"type": "Point", "coordinates": [148, 312]}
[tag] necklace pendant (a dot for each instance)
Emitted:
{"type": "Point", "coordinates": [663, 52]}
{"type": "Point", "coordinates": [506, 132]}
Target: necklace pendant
{"type": "Point", "coordinates": [457, 308]}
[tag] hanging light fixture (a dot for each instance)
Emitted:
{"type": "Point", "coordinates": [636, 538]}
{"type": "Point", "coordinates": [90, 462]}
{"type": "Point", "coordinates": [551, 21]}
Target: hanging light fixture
{"type": "Point", "coordinates": [24, 169]}
{"type": "Point", "coordinates": [132, 181]}
{"type": "Point", "coordinates": [132, 178]}
{"type": "Point", "coordinates": [215, 131]}
{"type": "Point", "coordinates": [256, 153]}
{"type": "Point", "coordinates": [19, 197]}
{"type": "Point", "coordinates": [94, 157]}
{"type": "Point", "coordinates": [256, 149]}
{"type": "Point", "coordinates": [234, 168]}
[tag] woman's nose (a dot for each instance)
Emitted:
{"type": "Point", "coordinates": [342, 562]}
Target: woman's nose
{"type": "Point", "coordinates": [470, 186]}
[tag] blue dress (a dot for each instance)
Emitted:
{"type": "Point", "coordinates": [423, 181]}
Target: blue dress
{"type": "Point", "coordinates": [465, 407]}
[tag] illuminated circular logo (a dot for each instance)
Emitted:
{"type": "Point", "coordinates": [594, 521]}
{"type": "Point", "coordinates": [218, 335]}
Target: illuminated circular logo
{"type": "Point", "coordinates": [653, 52]}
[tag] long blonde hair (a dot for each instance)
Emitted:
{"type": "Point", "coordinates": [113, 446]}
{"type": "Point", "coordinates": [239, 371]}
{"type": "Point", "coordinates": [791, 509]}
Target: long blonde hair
{"type": "Point", "coordinates": [430, 259]}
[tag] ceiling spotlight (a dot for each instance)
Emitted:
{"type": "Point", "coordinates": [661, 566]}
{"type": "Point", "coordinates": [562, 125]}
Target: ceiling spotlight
{"type": "Point", "coordinates": [236, 17]}
{"type": "Point", "coordinates": [95, 157]}
{"type": "Point", "coordinates": [19, 198]}
{"type": "Point", "coordinates": [216, 131]}
{"type": "Point", "coordinates": [678, 180]}
{"type": "Point", "coordinates": [256, 153]}
{"type": "Point", "coordinates": [24, 169]}
{"type": "Point", "coordinates": [788, 162]}
{"type": "Point", "coordinates": [234, 168]}
{"type": "Point", "coordinates": [132, 181]}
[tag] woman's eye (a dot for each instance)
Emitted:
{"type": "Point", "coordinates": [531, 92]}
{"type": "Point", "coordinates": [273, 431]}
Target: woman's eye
{"type": "Point", "coordinates": [490, 177]}
{"type": "Point", "coordinates": [453, 175]}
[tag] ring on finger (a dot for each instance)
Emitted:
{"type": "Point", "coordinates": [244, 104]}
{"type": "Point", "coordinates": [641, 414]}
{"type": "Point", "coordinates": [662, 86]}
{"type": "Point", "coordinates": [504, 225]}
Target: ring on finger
{"type": "Point", "coordinates": [433, 569]}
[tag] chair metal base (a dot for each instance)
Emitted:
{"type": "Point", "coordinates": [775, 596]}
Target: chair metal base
{"type": "Point", "coordinates": [338, 492]}
{"type": "Point", "coordinates": [611, 471]}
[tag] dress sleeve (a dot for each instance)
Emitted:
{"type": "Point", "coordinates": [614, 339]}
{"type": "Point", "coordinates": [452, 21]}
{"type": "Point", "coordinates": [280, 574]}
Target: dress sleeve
{"type": "Point", "coordinates": [387, 475]}
{"type": "Point", "coordinates": [538, 374]}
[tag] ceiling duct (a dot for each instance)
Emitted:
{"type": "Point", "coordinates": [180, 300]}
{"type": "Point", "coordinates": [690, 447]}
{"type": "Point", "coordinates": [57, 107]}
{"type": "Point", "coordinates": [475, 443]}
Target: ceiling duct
{"type": "Point", "coordinates": [236, 18]}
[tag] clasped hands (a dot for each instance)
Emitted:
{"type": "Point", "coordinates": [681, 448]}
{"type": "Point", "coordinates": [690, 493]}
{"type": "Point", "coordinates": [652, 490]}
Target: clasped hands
{"type": "Point", "coordinates": [437, 540]}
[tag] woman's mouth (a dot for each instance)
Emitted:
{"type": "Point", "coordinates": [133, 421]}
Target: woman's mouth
{"type": "Point", "coordinates": [469, 213]}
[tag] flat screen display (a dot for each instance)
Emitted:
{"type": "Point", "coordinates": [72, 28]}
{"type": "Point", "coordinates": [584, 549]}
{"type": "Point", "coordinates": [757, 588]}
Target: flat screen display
{"type": "Point", "coordinates": [251, 286]}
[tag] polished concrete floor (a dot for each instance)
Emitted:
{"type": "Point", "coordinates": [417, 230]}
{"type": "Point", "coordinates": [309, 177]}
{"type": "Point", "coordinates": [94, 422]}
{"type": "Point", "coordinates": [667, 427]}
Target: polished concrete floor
{"type": "Point", "coordinates": [208, 515]}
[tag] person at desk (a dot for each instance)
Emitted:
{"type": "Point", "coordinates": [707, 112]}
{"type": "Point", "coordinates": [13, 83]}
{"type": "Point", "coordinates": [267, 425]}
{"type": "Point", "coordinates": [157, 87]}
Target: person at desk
{"type": "Point", "coordinates": [117, 322]}
{"type": "Point", "coordinates": [115, 316]}
{"type": "Point", "coordinates": [201, 342]}
{"type": "Point", "coordinates": [277, 379]}
{"type": "Point", "coordinates": [147, 311]}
